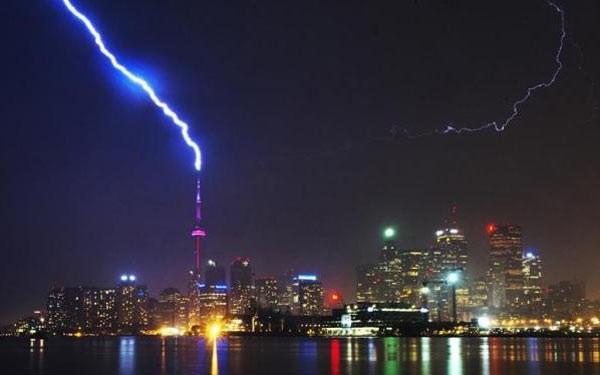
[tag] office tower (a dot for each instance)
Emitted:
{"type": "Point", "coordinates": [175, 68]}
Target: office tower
{"type": "Point", "coordinates": [286, 292]}
{"type": "Point", "coordinates": [532, 289]}
{"type": "Point", "coordinates": [265, 290]}
{"type": "Point", "coordinates": [505, 275]}
{"type": "Point", "coordinates": [416, 268]}
{"type": "Point", "coordinates": [453, 250]}
{"type": "Point", "coordinates": [171, 309]}
{"type": "Point", "coordinates": [213, 294]}
{"type": "Point", "coordinates": [65, 310]}
{"type": "Point", "coordinates": [132, 306]}
{"type": "Point", "coordinates": [310, 295]}
{"type": "Point", "coordinates": [390, 269]}
{"type": "Point", "coordinates": [565, 299]}
{"type": "Point", "coordinates": [368, 283]}
{"type": "Point", "coordinates": [240, 287]}
{"type": "Point", "coordinates": [100, 310]}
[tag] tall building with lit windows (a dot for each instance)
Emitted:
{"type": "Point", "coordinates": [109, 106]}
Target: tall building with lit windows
{"type": "Point", "coordinates": [65, 310]}
{"type": "Point", "coordinates": [532, 305]}
{"type": "Point", "coordinates": [310, 295]}
{"type": "Point", "coordinates": [287, 297]}
{"type": "Point", "coordinates": [172, 309]}
{"type": "Point", "coordinates": [213, 294]}
{"type": "Point", "coordinates": [265, 290]}
{"type": "Point", "coordinates": [389, 269]}
{"type": "Point", "coordinates": [505, 273]}
{"type": "Point", "coordinates": [368, 283]}
{"type": "Point", "coordinates": [100, 310]}
{"type": "Point", "coordinates": [240, 286]}
{"type": "Point", "coordinates": [132, 306]}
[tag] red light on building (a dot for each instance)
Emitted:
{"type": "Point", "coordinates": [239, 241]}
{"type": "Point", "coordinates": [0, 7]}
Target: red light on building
{"type": "Point", "coordinates": [491, 228]}
{"type": "Point", "coordinates": [335, 297]}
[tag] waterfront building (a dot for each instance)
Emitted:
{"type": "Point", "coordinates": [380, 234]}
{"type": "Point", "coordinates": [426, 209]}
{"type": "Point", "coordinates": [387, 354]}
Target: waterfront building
{"type": "Point", "coordinates": [505, 274]}
{"type": "Point", "coordinates": [265, 290]}
{"type": "Point", "coordinates": [310, 295]}
{"type": "Point", "coordinates": [240, 286]}
{"type": "Point", "coordinates": [532, 305]}
{"type": "Point", "coordinates": [132, 306]}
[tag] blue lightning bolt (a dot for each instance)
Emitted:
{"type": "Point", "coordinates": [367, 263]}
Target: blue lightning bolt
{"type": "Point", "coordinates": [500, 126]}
{"type": "Point", "coordinates": [139, 82]}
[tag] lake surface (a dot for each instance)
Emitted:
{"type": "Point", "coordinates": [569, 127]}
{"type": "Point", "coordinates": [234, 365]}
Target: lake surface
{"type": "Point", "coordinates": [288, 356]}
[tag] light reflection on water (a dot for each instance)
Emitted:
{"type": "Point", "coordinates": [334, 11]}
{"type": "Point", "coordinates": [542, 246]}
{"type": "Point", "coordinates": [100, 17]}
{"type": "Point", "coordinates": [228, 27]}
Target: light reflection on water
{"type": "Point", "coordinates": [391, 355]}
{"type": "Point", "coordinates": [127, 355]}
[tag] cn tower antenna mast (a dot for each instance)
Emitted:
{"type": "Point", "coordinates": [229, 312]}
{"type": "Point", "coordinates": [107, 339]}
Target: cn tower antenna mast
{"type": "Point", "coordinates": [198, 232]}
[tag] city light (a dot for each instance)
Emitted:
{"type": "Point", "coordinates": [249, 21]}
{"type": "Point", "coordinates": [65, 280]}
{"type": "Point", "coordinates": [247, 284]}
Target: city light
{"type": "Point", "coordinates": [170, 331]}
{"type": "Point", "coordinates": [425, 290]}
{"type": "Point", "coordinates": [307, 277]}
{"type": "Point", "coordinates": [484, 322]}
{"type": "Point", "coordinates": [389, 232]}
{"type": "Point", "coordinates": [439, 232]}
{"type": "Point", "coordinates": [214, 330]}
{"type": "Point", "coordinates": [123, 277]}
{"type": "Point", "coordinates": [131, 278]}
{"type": "Point", "coordinates": [452, 278]}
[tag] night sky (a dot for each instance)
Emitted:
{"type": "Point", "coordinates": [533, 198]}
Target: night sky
{"type": "Point", "coordinates": [292, 104]}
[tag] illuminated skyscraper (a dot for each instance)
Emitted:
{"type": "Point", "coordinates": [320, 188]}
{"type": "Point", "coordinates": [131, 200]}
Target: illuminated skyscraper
{"type": "Point", "coordinates": [310, 295]}
{"type": "Point", "coordinates": [286, 292]}
{"type": "Point", "coordinates": [212, 294]}
{"type": "Point", "coordinates": [265, 290]}
{"type": "Point", "coordinates": [390, 269]}
{"type": "Point", "coordinates": [172, 308]}
{"type": "Point", "coordinates": [453, 250]}
{"type": "Point", "coordinates": [240, 287]}
{"type": "Point", "coordinates": [532, 293]}
{"type": "Point", "coordinates": [505, 274]}
{"type": "Point", "coordinates": [65, 310]}
{"type": "Point", "coordinates": [132, 306]}
{"type": "Point", "coordinates": [368, 283]}
{"type": "Point", "coordinates": [100, 310]}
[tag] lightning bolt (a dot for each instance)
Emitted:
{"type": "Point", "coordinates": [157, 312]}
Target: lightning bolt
{"type": "Point", "coordinates": [140, 82]}
{"type": "Point", "coordinates": [449, 128]}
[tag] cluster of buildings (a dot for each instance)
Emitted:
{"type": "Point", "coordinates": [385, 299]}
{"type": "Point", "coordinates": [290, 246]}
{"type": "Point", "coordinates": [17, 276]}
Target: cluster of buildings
{"type": "Point", "coordinates": [402, 288]}
{"type": "Point", "coordinates": [128, 308]}
{"type": "Point", "coordinates": [438, 279]}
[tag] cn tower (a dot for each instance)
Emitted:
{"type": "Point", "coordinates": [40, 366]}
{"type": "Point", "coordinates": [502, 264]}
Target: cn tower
{"type": "Point", "coordinates": [198, 232]}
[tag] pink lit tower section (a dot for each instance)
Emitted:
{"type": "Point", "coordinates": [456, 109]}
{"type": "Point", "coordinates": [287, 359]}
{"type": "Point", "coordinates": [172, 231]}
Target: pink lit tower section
{"type": "Point", "coordinates": [198, 232]}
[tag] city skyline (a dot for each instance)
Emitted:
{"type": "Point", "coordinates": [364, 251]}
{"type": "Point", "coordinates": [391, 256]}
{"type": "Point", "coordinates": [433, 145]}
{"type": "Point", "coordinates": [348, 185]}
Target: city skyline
{"type": "Point", "coordinates": [301, 169]}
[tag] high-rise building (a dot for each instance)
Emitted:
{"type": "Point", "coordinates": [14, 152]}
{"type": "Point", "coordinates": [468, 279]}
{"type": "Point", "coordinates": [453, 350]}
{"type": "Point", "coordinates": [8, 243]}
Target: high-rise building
{"type": "Point", "coordinates": [171, 310]}
{"type": "Point", "coordinates": [416, 265]}
{"type": "Point", "coordinates": [310, 295]}
{"type": "Point", "coordinates": [368, 283]}
{"type": "Point", "coordinates": [265, 290]}
{"type": "Point", "coordinates": [100, 310]}
{"type": "Point", "coordinates": [287, 296]}
{"type": "Point", "coordinates": [505, 274]}
{"type": "Point", "coordinates": [453, 250]}
{"type": "Point", "coordinates": [240, 287]}
{"type": "Point", "coordinates": [390, 269]}
{"type": "Point", "coordinates": [532, 304]}
{"type": "Point", "coordinates": [65, 310]}
{"type": "Point", "coordinates": [213, 293]}
{"type": "Point", "coordinates": [132, 305]}
{"type": "Point", "coordinates": [565, 299]}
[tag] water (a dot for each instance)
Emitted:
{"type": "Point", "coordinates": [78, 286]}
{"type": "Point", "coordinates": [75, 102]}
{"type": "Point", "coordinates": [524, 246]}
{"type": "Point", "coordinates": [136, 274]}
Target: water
{"type": "Point", "coordinates": [288, 356]}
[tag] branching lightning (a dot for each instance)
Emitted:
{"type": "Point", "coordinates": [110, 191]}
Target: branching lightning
{"type": "Point", "coordinates": [449, 128]}
{"type": "Point", "coordinates": [139, 82]}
